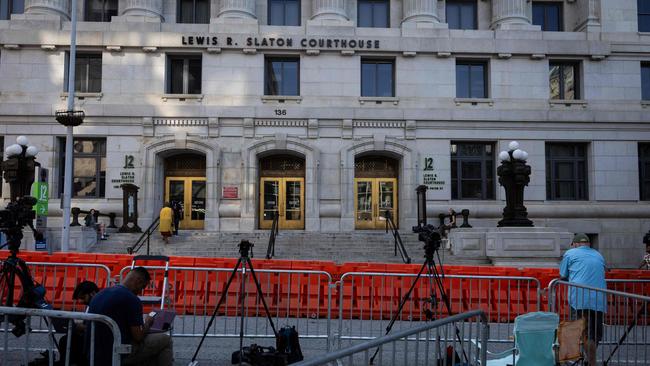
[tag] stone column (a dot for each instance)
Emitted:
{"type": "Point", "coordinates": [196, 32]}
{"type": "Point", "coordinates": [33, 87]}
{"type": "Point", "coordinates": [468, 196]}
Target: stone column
{"type": "Point", "coordinates": [48, 7]}
{"type": "Point", "coordinates": [147, 8]}
{"type": "Point", "coordinates": [329, 10]}
{"type": "Point", "coordinates": [511, 14]}
{"type": "Point", "coordinates": [420, 11]}
{"type": "Point", "coordinates": [241, 9]}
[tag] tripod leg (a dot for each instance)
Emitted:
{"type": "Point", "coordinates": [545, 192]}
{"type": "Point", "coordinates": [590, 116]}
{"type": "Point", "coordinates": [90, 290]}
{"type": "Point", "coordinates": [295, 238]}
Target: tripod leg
{"type": "Point", "coordinates": [261, 295]}
{"type": "Point", "coordinates": [242, 298]}
{"type": "Point", "coordinates": [399, 308]}
{"type": "Point", "coordinates": [214, 314]}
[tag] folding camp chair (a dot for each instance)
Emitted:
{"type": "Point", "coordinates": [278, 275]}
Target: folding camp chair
{"type": "Point", "coordinates": [534, 341]}
{"type": "Point", "coordinates": [149, 299]}
{"type": "Point", "coordinates": [571, 337]}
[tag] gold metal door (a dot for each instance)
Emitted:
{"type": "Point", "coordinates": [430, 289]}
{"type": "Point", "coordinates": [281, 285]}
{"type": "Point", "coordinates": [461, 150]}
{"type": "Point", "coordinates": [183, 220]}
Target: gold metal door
{"type": "Point", "coordinates": [283, 196]}
{"type": "Point", "coordinates": [373, 197]}
{"type": "Point", "coordinates": [190, 193]}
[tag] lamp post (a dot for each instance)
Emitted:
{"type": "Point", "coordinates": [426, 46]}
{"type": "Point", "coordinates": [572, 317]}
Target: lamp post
{"type": "Point", "coordinates": [18, 171]}
{"type": "Point", "coordinates": [69, 118]}
{"type": "Point", "coordinates": [514, 176]}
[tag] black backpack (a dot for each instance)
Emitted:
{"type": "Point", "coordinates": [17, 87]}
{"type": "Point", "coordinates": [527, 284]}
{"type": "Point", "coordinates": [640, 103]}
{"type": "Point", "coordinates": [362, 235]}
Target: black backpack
{"type": "Point", "coordinates": [289, 344]}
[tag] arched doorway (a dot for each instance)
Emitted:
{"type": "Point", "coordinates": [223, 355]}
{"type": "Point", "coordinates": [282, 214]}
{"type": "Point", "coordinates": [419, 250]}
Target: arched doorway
{"type": "Point", "coordinates": [282, 191]}
{"type": "Point", "coordinates": [375, 190]}
{"type": "Point", "coordinates": [185, 183]}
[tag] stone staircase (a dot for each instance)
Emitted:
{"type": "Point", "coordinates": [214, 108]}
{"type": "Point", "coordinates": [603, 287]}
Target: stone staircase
{"type": "Point", "coordinates": [356, 246]}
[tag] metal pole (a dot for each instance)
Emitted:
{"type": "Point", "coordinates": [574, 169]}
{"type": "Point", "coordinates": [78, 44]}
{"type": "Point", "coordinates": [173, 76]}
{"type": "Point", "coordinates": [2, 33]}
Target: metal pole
{"type": "Point", "coordinates": [67, 177]}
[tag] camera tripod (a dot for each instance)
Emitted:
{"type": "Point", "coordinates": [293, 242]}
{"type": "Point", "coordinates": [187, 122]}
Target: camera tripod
{"type": "Point", "coordinates": [12, 220]}
{"type": "Point", "coordinates": [431, 246]}
{"type": "Point", "coordinates": [245, 262]}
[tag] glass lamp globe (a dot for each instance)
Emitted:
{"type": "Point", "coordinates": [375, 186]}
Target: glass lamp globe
{"type": "Point", "coordinates": [513, 145]}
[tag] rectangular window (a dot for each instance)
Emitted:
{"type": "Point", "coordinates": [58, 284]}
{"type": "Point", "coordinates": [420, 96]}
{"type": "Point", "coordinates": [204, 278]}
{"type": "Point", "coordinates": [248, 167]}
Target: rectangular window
{"type": "Point", "coordinates": [88, 167]}
{"type": "Point", "coordinates": [377, 78]}
{"type": "Point", "coordinates": [643, 11]}
{"type": "Point", "coordinates": [564, 80]}
{"type": "Point", "coordinates": [548, 15]}
{"type": "Point", "coordinates": [566, 171]}
{"type": "Point", "coordinates": [644, 171]}
{"type": "Point", "coordinates": [184, 74]}
{"type": "Point", "coordinates": [284, 12]}
{"type": "Point", "coordinates": [471, 79]}
{"type": "Point", "coordinates": [8, 7]}
{"type": "Point", "coordinates": [193, 11]}
{"type": "Point", "coordinates": [373, 13]}
{"type": "Point", "coordinates": [472, 170]}
{"type": "Point", "coordinates": [100, 10]}
{"type": "Point", "coordinates": [87, 74]}
{"type": "Point", "coordinates": [645, 80]}
{"type": "Point", "coordinates": [282, 76]}
{"type": "Point", "coordinates": [461, 14]}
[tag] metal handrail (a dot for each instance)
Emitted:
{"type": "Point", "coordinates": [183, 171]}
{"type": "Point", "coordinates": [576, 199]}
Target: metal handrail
{"type": "Point", "coordinates": [377, 342]}
{"type": "Point", "coordinates": [554, 284]}
{"type": "Point", "coordinates": [117, 347]}
{"type": "Point", "coordinates": [398, 239]}
{"type": "Point", "coordinates": [275, 228]}
{"type": "Point", "coordinates": [146, 235]}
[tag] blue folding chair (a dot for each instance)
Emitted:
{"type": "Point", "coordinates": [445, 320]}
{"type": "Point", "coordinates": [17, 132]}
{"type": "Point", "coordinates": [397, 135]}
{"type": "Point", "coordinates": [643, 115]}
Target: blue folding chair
{"type": "Point", "coordinates": [534, 340]}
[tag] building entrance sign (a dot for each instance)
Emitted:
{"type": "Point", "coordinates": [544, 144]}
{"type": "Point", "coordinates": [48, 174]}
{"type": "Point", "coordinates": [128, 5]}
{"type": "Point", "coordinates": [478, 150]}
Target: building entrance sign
{"type": "Point", "coordinates": [283, 196]}
{"type": "Point", "coordinates": [190, 193]}
{"type": "Point", "coordinates": [373, 197]}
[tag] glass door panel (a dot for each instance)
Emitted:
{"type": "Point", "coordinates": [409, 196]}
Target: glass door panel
{"type": "Point", "coordinates": [387, 199]}
{"type": "Point", "coordinates": [190, 193]}
{"type": "Point", "coordinates": [364, 204]}
{"type": "Point", "coordinates": [292, 216]}
{"type": "Point", "coordinates": [285, 197]}
{"type": "Point", "coordinates": [373, 197]}
{"type": "Point", "coordinates": [197, 209]}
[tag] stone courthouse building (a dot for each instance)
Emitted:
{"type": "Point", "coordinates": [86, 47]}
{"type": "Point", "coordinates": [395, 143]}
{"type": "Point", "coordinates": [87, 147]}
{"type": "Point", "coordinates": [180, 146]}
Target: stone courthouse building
{"type": "Point", "coordinates": [331, 112]}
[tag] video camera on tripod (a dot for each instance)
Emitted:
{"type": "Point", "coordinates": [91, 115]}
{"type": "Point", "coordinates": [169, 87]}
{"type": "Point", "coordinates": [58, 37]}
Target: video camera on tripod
{"type": "Point", "coordinates": [15, 217]}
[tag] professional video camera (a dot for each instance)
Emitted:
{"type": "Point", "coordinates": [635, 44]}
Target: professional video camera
{"type": "Point", "coordinates": [15, 217]}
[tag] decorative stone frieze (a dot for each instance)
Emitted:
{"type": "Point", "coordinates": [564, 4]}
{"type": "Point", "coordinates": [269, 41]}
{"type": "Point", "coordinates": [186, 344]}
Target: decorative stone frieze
{"type": "Point", "coordinates": [418, 11]}
{"type": "Point", "coordinates": [329, 10]}
{"type": "Point", "coordinates": [48, 7]}
{"type": "Point", "coordinates": [240, 9]}
{"type": "Point", "coordinates": [147, 8]}
{"type": "Point", "coordinates": [511, 14]}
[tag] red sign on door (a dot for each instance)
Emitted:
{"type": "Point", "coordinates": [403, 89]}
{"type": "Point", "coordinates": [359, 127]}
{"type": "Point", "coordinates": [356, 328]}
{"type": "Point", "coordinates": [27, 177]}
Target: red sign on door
{"type": "Point", "coordinates": [230, 192]}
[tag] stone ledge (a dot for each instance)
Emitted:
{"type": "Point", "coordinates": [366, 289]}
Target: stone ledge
{"type": "Point", "coordinates": [378, 100]}
{"type": "Point", "coordinates": [281, 98]}
{"type": "Point", "coordinates": [78, 95]}
{"type": "Point", "coordinates": [568, 102]}
{"type": "Point", "coordinates": [474, 101]}
{"type": "Point", "coordinates": [182, 97]}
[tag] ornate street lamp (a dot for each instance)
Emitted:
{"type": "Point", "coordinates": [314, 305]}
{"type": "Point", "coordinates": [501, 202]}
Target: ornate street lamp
{"type": "Point", "coordinates": [18, 171]}
{"type": "Point", "coordinates": [514, 176]}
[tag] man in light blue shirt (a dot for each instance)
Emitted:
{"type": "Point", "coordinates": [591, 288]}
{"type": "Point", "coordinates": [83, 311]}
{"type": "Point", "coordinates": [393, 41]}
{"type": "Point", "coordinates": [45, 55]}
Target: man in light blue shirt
{"type": "Point", "coordinates": [583, 265]}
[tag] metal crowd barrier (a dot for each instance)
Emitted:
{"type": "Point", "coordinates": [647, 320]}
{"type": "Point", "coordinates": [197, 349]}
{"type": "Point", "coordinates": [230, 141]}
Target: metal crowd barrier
{"type": "Point", "coordinates": [298, 298]}
{"type": "Point", "coordinates": [367, 301]}
{"type": "Point", "coordinates": [30, 345]}
{"type": "Point", "coordinates": [60, 279]}
{"type": "Point", "coordinates": [626, 328]}
{"type": "Point", "coordinates": [457, 340]}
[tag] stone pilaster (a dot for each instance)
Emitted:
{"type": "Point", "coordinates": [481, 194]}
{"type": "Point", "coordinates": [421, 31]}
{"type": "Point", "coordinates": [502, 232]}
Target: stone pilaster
{"type": "Point", "coordinates": [420, 11]}
{"type": "Point", "coordinates": [329, 10]}
{"type": "Point", "coordinates": [239, 9]}
{"type": "Point", "coordinates": [588, 15]}
{"type": "Point", "coordinates": [512, 14]}
{"type": "Point", "coordinates": [143, 8]}
{"type": "Point", "coordinates": [48, 7]}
